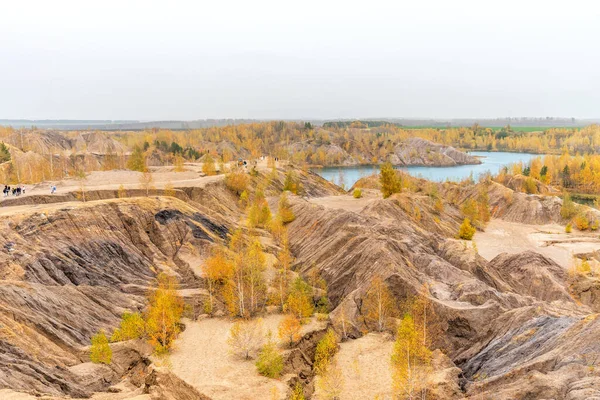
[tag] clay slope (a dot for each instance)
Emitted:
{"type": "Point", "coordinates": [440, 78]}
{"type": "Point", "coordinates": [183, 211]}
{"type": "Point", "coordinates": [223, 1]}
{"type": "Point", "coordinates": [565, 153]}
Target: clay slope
{"type": "Point", "coordinates": [72, 270]}
{"type": "Point", "coordinates": [51, 142]}
{"type": "Point", "coordinates": [69, 269]}
{"type": "Point", "coordinates": [417, 151]}
{"type": "Point", "coordinates": [504, 321]}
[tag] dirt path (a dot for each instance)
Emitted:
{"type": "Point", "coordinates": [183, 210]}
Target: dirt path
{"type": "Point", "coordinates": [112, 180]}
{"type": "Point", "coordinates": [550, 240]}
{"type": "Point", "coordinates": [365, 365]}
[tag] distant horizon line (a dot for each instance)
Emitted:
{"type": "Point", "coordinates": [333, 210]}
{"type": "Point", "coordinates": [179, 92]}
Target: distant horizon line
{"type": "Point", "coordinates": [436, 119]}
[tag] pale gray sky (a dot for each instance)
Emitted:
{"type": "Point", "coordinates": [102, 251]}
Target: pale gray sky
{"type": "Point", "coordinates": [306, 59]}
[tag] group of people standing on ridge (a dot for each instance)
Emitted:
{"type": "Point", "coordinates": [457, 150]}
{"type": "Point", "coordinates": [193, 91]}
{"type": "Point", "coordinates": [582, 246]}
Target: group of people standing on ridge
{"type": "Point", "coordinates": [15, 191]}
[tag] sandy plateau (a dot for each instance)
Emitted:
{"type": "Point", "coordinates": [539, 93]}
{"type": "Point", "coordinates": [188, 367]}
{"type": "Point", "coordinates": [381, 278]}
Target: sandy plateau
{"type": "Point", "coordinates": [550, 240]}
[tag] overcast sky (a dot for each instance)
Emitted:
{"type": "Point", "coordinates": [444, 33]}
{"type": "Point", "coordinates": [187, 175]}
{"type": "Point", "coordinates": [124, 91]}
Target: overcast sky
{"type": "Point", "coordinates": [298, 59]}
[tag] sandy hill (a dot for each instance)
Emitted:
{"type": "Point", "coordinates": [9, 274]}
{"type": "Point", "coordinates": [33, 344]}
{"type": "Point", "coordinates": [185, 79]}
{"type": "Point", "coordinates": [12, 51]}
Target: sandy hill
{"type": "Point", "coordinates": [515, 325]}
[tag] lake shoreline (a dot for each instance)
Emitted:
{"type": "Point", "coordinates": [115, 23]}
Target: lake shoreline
{"type": "Point", "coordinates": [491, 162]}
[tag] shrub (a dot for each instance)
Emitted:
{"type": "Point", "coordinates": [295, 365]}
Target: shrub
{"type": "Point", "coordinates": [438, 206]}
{"type": "Point", "coordinates": [237, 181]}
{"type": "Point", "coordinates": [269, 362]}
{"type": "Point", "coordinates": [259, 213]}
{"type": "Point", "coordinates": [569, 208]}
{"type": "Point", "coordinates": [100, 351]}
{"type": "Point", "coordinates": [297, 393]}
{"type": "Point", "coordinates": [466, 230]}
{"type": "Point", "coordinates": [245, 337]}
{"type": "Point", "coordinates": [391, 182]}
{"type": "Point", "coordinates": [326, 350]}
{"type": "Point", "coordinates": [357, 194]}
{"type": "Point", "coordinates": [179, 163]}
{"type": "Point", "coordinates": [208, 166]}
{"type": "Point", "coordinates": [584, 267]}
{"type": "Point", "coordinates": [132, 327]}
{"type": "Point", "coordinates": [137, 160]}
{"type": "Point", "coordinates": [470, 210]}
{"type": "Point", "coordinates": [292, 183]}
{"type": "Point", "coordinates": [169, 190]}
{"type": "Point", "coordinates": [244, 199]}
{"type": "Point", "coordinates": [581, 222]}
{"type": "Point", "coordinates": [285, 211]}
{"type": "Point", "coordinates": [121, 192]}
{"type": "Point", "coordinates": [569, 228]}
{"type": "Point", "coordinates": [277, 229]}
{"type": "Point", "coordinates": [299, 301]}
{"type": "Point", "coordinates": [530, 186]}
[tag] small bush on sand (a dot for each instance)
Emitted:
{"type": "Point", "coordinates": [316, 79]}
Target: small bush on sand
{"type": "Point", "coordinates": [270, 360]}
{"type": "Point", "coordinates": [466, 230]}
{"type": "Point", "coordinates": [100, 351]}
{"type": "Point", "coordinates": [568, 228]}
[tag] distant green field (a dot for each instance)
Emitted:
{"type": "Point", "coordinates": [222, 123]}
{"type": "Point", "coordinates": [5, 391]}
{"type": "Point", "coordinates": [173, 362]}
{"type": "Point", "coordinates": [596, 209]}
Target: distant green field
{"type": "Point", "coordinates": [529, 128]}
{"type": "Point", "coordinates": [495, 128]}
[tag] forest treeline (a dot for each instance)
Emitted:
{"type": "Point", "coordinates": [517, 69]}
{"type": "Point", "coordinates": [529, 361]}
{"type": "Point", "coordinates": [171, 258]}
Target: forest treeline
{"type": "Point", "coordinates": [573, 173]}
{"type": "Point", "coordinates": [43, 156]}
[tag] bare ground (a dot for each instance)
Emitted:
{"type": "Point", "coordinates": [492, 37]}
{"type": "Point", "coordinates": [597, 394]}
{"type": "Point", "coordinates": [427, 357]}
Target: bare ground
{"type": "Point", "coordinates": [202, 358]}
{"type": "Point", "coordinates": [112, 180]}
{"type": "Point", "coordinates": [549, 240]}
{"type": "Point", "coordinates": [348, 202]}
{"type": "Point", "coordinates": [365, 364]}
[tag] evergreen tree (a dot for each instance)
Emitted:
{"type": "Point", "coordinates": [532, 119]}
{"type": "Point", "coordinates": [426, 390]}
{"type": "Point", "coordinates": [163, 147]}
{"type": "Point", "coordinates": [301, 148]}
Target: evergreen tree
{"type": "Point", "coordinates": [4, 153]}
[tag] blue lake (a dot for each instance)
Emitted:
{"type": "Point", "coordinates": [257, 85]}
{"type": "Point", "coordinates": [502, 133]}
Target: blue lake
{"type": "Point", "coordinates": [491, 162]}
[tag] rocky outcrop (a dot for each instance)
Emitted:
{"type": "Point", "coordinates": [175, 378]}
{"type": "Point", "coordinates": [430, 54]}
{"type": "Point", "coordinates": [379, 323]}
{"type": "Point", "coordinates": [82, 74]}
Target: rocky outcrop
{"type": "Point", "coordinates": [531, 274]}
{"type": "Point", "coordinates": [412, 151]}
{"type": "Point", "coordinates": [417, 151]}
{"type": "Point", "coordinates": [507, 204]}
{"type": "Point", "coordinates": [162, 385]}
{"type": "Point", "coordinates": [524, 184]}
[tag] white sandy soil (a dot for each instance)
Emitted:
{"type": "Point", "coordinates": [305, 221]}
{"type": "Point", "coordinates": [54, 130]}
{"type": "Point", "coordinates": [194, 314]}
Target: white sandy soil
{"type": "Point", "coordinates": [365, 365]}
{"type": "Point", "coordinates": [550, 240]}
{"type": "Point", "coordinates": [202, 358]}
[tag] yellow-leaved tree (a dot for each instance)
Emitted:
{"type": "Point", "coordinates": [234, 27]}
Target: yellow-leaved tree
{"type": "Point", "coordinates": [281, 281]}
{"type": "Point", "coordinates": [466, 231]}
{"type": "Point", "coordinates": [218, 269]}
{"type": "Point", "coordinates": [132, 326]}
{"type": "Point", "coordinates": [300, 300]}
{"type": "Point", "coordinates": [245, 290]}
{"type": "Point", "coordinates": [100, 352]}
{"type": "Point", "coordinates": [411, 361]}
{"type": "Point", "coordinates": [289, 329]}
{"type": "Point", "coordinates": [390, 180]}
{"type": "Point", "coordinates": [329, 379]}
{"type": "Point", "coordinates": [378, 306]}
{"type": "Point", "coordinates": [164, 314]}
{"type": "Point", "coordinates": [208, 165]}
{"type": "Point", "coordinates": [146, 182]}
